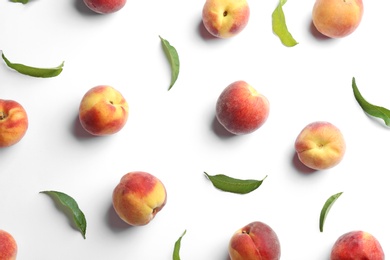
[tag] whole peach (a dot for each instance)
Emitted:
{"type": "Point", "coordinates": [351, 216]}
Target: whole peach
{"type": "Point", "coordinates": [337, 18]}
{"type": "Point", "coordinates": [105, 6]}
{"type": "Point", "coordinates": [138, 197]}
{"type": "Point", "coordinates": [225, 18]}
{"type": "Point", "coordinates": [356, 245]}
{"type": "Point", "coordinates": [8, 246]}
{"type": "Point", "coordinates": [103, 111]}
{"type": "Point", "coordinates": [241, 109]}
{"type": "Point", "coordinates": [255, 241]}
{"type": "Point", "coordinates": [13, 122]}
{"type": "Point", "coordinates": [320, 145]}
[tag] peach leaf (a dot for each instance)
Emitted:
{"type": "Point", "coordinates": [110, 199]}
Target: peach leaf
{"type": "Point", "coordinates": [34, 71]}
{"type": "Point", "coordinates": [174, 61]}
{"type": "Point", "coordinates": [279, 26]}
{"type": "Point", "coordinates": [70, 204]}
{"type": "Point", "coordinates": [233, 185]}
{"type": "Point", "coordinates": [372, 110]}
{"type": "Point", "coordinates": [325, 209]}
{"type": "Point", "coordinates": [176, 250]}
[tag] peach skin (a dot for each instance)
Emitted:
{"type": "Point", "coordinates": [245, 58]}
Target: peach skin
{"type": "Point", "coordinates": [337, 18]}
{"type": "Point", "coordinates": [241, 109]}
{"type": "Point", "coordinates": [8, 246]}
{"type": "Point", "coordinates": [356, 245]}
{"type": "Point", "coordinates": [320, 145]}
{"type": "Point", "coordinates": [13, 122]}
{"type": "Point", "coordinates": [255, 241]}
{"type": "Point", "coordinates": [103, 111]}
{"type": "Point", "coordinates": [225, 18]}
{"type": "Point", "coordinates": [138, 197]}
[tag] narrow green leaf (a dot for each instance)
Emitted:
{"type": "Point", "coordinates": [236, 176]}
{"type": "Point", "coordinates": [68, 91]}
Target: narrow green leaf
{"type": "Point", "coordinates": [229, 184]}
{"type": "Point", "coordinates": [173, 58]}
{"type": "Point", "coordinates": [325, 209]}
{"type": "Point", "coordinates": [176, 250]}
{"type": "Point", "coordinates": [33, 71]}
{"type": "Point", "coordinates": [279, 26]}
{"type": "Point", "coordinates": [71, 204]}
{"type": "Point", "coordinates": [373, 110]}
{"type": "Point", "coordinates": [20, 1]}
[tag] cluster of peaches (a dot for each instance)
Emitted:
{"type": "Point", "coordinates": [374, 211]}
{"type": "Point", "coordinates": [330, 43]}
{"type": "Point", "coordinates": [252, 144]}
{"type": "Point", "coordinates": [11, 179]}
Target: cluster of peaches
{"type": "Point", "coordinates": [240, 109]}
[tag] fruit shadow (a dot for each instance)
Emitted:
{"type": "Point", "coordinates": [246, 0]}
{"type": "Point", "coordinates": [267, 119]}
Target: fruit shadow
{"type": "Point", "coordinates": [316, 34]}
{"type": "Point", "coordinates": [204, 34]}
{"type": "Point", "coordinates": [299, 166]}
{"type": "Point", "coordinates": [78, 130]}
{"type": "Point", "coordinates": [114, 222]}
{"type": "Point", "coordinates": [81, 7]}
{"type": "Point", "coordinates": [219, 130]}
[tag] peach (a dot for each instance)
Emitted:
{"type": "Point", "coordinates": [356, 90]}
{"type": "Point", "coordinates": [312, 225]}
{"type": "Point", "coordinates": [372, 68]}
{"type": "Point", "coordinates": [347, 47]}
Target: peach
{"type": "Point", "coordinates": [357, 245]}
{"type": "Point", "coordinates": [105, 6]}
{"type": "Point", "coordinates": [241, 109]}
{"type": "Point", "coordinates": [254, 241]}
{"type": "Point", "coordinates": [13, 122]}
{"type": "Point", "coordinates": [138, 197]}
{"type": "Point", "coordinates": [320, 145]}
{"type": "Point", "coordinates": [225, 18]}
{"type": "Point", "coordinates": [337, 18]}
{"type": "Point", "coordinates": [103, 111]}
{"type": "Point", "coordinates": [8, 246]}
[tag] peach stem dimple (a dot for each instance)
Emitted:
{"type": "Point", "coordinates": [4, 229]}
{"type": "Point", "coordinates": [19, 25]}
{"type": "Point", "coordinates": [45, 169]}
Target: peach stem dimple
{"type": "Point", "coordinates": [2, 115]}
{"type": "Point", "coordinates": [225, 13]}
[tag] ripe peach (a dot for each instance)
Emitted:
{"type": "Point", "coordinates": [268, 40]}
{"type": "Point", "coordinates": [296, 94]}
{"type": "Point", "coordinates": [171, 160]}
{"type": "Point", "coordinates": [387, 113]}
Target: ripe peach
{"type": "Point", "coordinates": [357, 245]}
{"type": "Point", "coordinates": [225, 18]}
{"type": "Point", "coordinates": [241, 109]}
{"type": "Point", "coordinates": [103, 111]}
{"type": "Point", "coordinates": [8, 246]}
{"type": "Point", "coordinates": [337, 18]}
{"type": "Point", "coordinates": [254, 241]}
{"type": "Point", "coordinates": [138, 197]}
{"type": "Point", "coordinates": [105, 6]}
{"type": "Point", "coordinates": [320, 145]}
{"type": "Point", "coordinates": [13, 122]}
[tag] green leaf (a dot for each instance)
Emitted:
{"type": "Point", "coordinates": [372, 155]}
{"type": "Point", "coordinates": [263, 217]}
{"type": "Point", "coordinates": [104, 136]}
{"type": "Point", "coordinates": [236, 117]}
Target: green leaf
{"type": "Point", "coordinates": [67, 201]}
{"type": "Point", "coordinates": [370, 109]}
{"type": "Point", "coordinates": [325, 209]}
{"type": "Point", "coordinates": [176, 249]}
{"type": "Point", "coordinates": [33, 71]}
{"type": "Point", "coordinates": [20, 1]}
{"type": "Point", "coordinates": [173, 58]}
{"type": "Point", "coordinates": [279, 26]}
{"type": "Point", "coordinates": [229, 184]}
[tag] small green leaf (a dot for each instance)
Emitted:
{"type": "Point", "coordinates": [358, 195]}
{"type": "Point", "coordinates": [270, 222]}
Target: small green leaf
{"type": "Point", "coordinates": [370, 109]}
{"type": "Point", "coordinates": [229, 184]}
{"type": "Point", "coordinates": [33, 71]}
{"type": "Point", "coordinates": [279, 26]}
{"type": "Point", "coordinates": [20, 1]}
{"type": "Point", "coordinates": [71, 204]}
{"type": "Point", "coordinates": [176, 250]}
{"type": "Point", "coordinates": [325, 209]}
{"type": "Point", "coordinates": [173, 58]}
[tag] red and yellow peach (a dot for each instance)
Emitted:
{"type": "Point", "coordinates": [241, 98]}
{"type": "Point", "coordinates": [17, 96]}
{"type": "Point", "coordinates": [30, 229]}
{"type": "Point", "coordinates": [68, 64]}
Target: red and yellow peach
{"type": "Point", "coordinates": [320, 145]}
{"type": "Point", "coordinates": [8, 246]}
{"type": "Point", "coordinates": [138, 197]}
{"type": "Point", "coordinates": [225, 18]}
{"type": "Point", "coordinates": [103, 111]}
{"type": "Point", "coordinates": [255, 241]}
{"type": "Point", "coordinates": [13, 122]}
{"type": "Point", "coordinates": [241, 109]}
{"type": "Point", "coordinates": [357, 245]}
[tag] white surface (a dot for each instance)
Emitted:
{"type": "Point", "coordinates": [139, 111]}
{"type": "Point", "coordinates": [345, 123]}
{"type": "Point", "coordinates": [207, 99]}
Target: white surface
{"type": "Point", "coordinates": [173, 134]}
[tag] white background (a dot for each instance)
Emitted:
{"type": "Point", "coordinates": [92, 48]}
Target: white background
{"type": "Point", "coordinates": [173, 134]}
